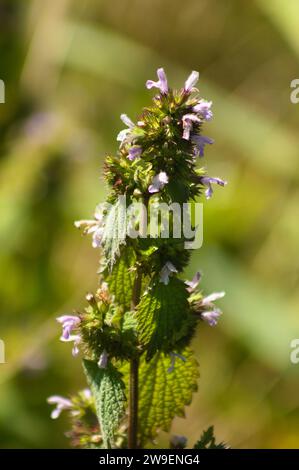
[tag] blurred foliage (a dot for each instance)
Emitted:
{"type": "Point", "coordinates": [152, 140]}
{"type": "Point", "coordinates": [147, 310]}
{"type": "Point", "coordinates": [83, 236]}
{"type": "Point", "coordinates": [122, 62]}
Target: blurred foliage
{"type": "Point", "coordinates": [71, 68]}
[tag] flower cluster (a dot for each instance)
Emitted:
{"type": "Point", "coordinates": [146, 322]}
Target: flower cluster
{"type": "Point", "coordinates": [85, 431]}
{"type": "Point", "coordinates": [94, 226]}
{"type": "Point", "coordinates": [70, 323]}
{"type": "Point", "coordinates": [143, 310]}
{"type": "Point", "coordinates": [144, 166]}
{"type": "Point", "coordinates": [204, 305]}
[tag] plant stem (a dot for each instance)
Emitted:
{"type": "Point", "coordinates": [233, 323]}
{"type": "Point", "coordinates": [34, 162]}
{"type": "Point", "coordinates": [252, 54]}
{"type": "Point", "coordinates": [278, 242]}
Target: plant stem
{"type": "Point", "coordinates": [133, 404]}
{"type": "Point", "coordinates": [134, 366]}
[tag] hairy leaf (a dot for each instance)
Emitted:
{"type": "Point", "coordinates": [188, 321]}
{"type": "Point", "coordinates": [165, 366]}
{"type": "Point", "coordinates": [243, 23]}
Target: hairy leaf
{"type": "Point", "coordinates": [108, 390]}
{"type": "Point", "coordinates": [163, 316]}
{"type": "Point", "coordinates": [115, 231]}
{"type": "Point", "coordinates": [165, 388]}
{"type": "Point", "coordinates": [121, 279]}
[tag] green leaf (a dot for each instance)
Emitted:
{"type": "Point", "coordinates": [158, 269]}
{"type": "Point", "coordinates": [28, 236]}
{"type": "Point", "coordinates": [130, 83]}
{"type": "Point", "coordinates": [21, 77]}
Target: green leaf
{"type": "Point", "coordinates": [163, 316]}
{"type": "Point", "coordinates": [121, 279]}
{"type": "Point", "coordinates": [107, 388]}
{"type": "Point", "coordinates": [164, 394]}
{"type": "Point", "coordinates": [115, 230]}
{"type": "Point", "coordinates": [208, 441]}
{"type": "Point", "coordinates": [178, 191]}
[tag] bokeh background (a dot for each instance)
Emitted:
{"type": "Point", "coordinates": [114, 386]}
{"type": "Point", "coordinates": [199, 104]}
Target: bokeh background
{"type": "Point", "coordinates": [71, 68]}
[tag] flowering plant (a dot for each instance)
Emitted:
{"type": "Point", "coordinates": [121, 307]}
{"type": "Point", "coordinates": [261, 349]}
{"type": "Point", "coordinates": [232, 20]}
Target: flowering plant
{"type": "Point", "coordinates": [135, 332]}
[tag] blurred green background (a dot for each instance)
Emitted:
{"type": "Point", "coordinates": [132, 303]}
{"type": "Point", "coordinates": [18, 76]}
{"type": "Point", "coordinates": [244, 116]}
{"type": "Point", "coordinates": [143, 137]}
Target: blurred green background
{"type": "Point", "coordinates": [71, 68]}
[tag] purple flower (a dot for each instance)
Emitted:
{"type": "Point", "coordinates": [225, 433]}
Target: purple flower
{"type": "Point", "coordinates": [158, 182]}
{"type": "Point", "coordinates": [70, 322]}
{"type": "Point", "coordinates": [204, 109]}
{"type": "Point", "coordinates": [200, 141]}
{"type": "Point", "coordinates": [134, 152]}
{"type": "Point", "coordinates": [191, 81]}
{"type": "Point", "coordinates": [212, 297]}
{"type": "Point", "coordinates": [167, 269]}
{"type": "Point", "coordinates": [161, 83]}
{"type": "Point", "coordinates": [97, 228]}
{"type": "Point", "coordinates": [86, 393]}
{"type": "Point", "coordinates": [205, 307]}
{"type": "Point", "coordinates": [127, 121]}
{"type": "Point", "coordinates": [61, 404]}
{"type": "Point", "coordinates": [188, 121]}
{"type": "Point", "coordinates": [178, 442]}
{"type": "Point", "coordinates": [122, 135]}
{"type": "Point", "coordinates": [94, 227]}
{"type": "Point", "coordinates": [194, 283]}
{"type": "Point", "coordinates": [207, 180]}
{"type": "Point", "coordinates": [211, 316]}
{"type": "Point", "coordinates": [76, 340]}
{"type": "Point", "coordinates": [102, 362]}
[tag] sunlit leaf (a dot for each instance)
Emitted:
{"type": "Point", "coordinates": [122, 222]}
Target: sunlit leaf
{"type": "Point", "coordinates": [163, 391]}
{"type": "Point", "coordinates": [163, 316]}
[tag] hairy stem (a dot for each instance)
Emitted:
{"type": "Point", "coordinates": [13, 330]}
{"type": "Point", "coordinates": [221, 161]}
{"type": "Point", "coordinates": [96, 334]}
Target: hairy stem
{"type": "Point", "coordinates": [134, 365]}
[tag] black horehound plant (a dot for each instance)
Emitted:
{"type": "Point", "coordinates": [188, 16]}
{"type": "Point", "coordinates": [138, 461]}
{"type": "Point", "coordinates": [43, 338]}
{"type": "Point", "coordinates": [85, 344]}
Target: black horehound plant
{"type": "Point", "coordinates": [135, 331]}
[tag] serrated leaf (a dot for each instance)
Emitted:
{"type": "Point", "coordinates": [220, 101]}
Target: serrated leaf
{"type": "Point", "coordinates": [163, 316]}
{"type": "Point", "coordinates": [107, 388]}
{"type": "Point", "coordinates": [129, 322]}
{"type": "Point", "coordinates": [121, 279]}
{"type": "Point", "coordinates": [115, 230]}
{"type": "Point", "coordinates": [208, 441]}
{"type": "Point", "coordinates": [178, 191]}
{"type": "Point", "coordinates": [163, 394]}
